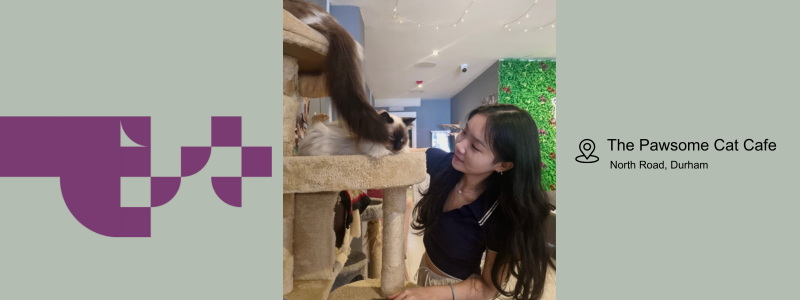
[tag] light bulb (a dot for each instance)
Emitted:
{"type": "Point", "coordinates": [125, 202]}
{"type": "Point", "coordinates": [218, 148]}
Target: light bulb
{"type": "Point", "coordinates": [437, 27]}
{"type": "Point", "coordinates": [527, 15]}
{"type": "Point", "coordinates": [518, 22]}
{"type": "Point", "coordinates": [401, 21]}
{"type": "Point", "coordinates": [526, 29]}
{"type": "Point", "coordinates": [553, 26]}
{"type": "Point", "coordinates": [506, 26]}
{"type": "Point", "coordinates": [540, 28]}
{"type": "Point", "coordinates": [395, 9]}
{"type": "Point", "coordinates": [419, 85]}
{"type": "Point", "coordinates": [435, 52]}
{"type": "Point", "coordinates": [419, 25]}
{"type": "Point", "coordinates": [462, 20]}
{"type": "Point", "coordinates": [466, 11]}
{"type": "Point", "coordinates": [454, 25]}
{"type": "Point", "coordinates": [509, 29]}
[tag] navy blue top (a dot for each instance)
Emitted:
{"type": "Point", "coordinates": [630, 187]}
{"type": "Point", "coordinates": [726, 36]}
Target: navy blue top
{"type": "Point", "coordinates": [457, 242]}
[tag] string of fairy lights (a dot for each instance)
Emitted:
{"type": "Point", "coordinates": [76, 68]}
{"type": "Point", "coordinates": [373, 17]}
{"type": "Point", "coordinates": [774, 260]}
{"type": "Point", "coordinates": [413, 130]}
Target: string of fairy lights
{"type": "Point", "coordinates": [526, 15]}
{"type": "Point", "coordinates": [508, 26]}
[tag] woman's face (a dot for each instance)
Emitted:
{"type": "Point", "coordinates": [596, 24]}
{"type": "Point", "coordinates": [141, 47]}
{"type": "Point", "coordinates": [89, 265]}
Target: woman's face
{"type": "Point", "coordinates": [472, 155]}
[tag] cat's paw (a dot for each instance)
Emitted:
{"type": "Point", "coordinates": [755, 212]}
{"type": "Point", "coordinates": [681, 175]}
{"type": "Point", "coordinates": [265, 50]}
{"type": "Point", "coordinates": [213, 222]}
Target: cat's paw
{"type": "Point", "coordinates": [380, 153]}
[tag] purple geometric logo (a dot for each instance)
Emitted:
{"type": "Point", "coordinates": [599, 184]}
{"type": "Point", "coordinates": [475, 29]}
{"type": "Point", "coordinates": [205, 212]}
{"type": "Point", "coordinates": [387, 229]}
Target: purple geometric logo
{"type": "Point", "coordinates": [85, 153]}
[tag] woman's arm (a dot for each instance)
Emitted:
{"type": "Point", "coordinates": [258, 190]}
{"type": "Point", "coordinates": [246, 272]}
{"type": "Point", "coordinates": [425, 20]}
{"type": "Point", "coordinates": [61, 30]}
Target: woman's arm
{"type": "Point", "coordinates": [470, 289]}
{"type": "Point", "coordinates": [480, 288]}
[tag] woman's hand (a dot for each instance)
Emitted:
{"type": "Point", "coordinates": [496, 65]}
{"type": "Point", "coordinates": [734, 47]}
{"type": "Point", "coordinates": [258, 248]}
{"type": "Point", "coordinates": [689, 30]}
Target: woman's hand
{"type": "Point", "coordinates": [413, 294]}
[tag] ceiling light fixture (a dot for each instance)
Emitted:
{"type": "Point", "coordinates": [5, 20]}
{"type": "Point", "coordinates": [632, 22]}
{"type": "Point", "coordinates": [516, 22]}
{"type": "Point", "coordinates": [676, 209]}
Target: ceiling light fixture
{"type": "Point", "coordinates": [424, 65]}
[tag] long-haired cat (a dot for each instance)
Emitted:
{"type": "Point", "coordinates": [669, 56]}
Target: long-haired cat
{"type": "Point", "coordinates": [331, 138]}
{"type": "Point", "coordinates": [343, 71]}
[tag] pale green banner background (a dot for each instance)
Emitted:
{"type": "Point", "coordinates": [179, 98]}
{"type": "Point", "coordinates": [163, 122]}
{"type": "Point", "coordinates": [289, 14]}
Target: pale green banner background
{"type": "Point", "coordinates": [179, 62]}
{"type": "Point", "coordinates": [678, 71]}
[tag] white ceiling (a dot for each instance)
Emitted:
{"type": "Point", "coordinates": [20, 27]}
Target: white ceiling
{"type": "Point", "coordinates": [393, 48]}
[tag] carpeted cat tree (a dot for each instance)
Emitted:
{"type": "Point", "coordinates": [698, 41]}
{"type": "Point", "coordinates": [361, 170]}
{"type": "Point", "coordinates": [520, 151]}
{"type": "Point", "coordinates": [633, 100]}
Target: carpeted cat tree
{"type": "Point", "coordinates": [311, 187]}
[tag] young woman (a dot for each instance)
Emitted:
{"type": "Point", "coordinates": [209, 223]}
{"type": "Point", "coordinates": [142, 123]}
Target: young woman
{"type": "Point", "coordinates": [484, 197]}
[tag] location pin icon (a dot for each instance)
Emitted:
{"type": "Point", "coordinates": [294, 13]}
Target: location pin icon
{"type": "Point", "coordinates": [586, 145]}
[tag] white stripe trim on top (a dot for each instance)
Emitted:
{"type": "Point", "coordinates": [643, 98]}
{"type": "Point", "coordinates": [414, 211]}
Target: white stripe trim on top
{"type": "Point", "coordinates": [488, 213]}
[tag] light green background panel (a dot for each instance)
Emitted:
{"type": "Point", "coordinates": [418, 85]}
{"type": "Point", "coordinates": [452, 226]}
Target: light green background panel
{"type": "Point", "coordinates": [678, 71]}
{"type": "Point", "coordinates": [179, 62]}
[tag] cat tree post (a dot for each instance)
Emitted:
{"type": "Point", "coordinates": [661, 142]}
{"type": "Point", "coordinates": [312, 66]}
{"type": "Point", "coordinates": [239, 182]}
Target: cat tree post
{"type": "Point", "coordinates": [393, 262]}
{"type": "Point", "coordinates": [288, 240]}
{"type": "Point", "coordinates": [375, 248]}
{"type": "Point", "coordinates": [290, 103]}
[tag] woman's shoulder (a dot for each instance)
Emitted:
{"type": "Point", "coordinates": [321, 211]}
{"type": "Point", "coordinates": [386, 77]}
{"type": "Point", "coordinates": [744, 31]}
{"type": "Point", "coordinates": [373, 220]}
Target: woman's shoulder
{"type": "Point", "coordinates": [435, 152]}
{"type": "Point", "coordinates": [495, 228]}
{"type": "Point", "coordinates": [437, 159]}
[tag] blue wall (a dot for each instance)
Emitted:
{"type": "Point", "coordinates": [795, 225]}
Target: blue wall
{"type": "Point", "coordinates": [350, 18]}
{"type": "Point", "coordinates": [322, 3]}
{"type": "Point", "coordinates": [431, 114]}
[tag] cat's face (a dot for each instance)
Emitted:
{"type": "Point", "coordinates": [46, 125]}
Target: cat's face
{"type": "Point", "coordinates": [398, 131]}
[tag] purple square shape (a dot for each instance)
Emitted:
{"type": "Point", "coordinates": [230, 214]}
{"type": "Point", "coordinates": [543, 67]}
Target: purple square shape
{"type": "Point", "coordinates": [256, 161]}
{"type": "Point", "coordinates": [226, 131]}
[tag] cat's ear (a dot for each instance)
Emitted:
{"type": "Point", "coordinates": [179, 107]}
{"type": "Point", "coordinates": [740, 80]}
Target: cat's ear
{"type": "Point", "coordinates": [387, 117]}
{"type": "Point", "coordinates": [408, 121]}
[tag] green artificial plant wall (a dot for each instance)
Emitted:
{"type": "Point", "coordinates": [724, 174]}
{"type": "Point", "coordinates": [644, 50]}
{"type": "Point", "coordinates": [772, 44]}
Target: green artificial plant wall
{"type": "Point", "coordinates": [531, 85]}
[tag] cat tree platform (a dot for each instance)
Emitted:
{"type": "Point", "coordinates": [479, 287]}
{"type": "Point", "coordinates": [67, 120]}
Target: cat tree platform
{"type": "Point", "coordinates": [365, 289]}
{"type": "Point", "coordinates": [311, 174]}
{"type": "Point", "coordinates": [309, 48]}
{"type": "Point", "coordinates": [311, 186]}
{"type": "Point", "coordinates": [304, 43]}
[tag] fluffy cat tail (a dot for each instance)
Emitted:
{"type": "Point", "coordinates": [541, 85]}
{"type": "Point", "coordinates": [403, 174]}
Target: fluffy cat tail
{"type": "Point", "coordinates": [343, 72]}
{"type": "Point", "coordinates": [345, 87]}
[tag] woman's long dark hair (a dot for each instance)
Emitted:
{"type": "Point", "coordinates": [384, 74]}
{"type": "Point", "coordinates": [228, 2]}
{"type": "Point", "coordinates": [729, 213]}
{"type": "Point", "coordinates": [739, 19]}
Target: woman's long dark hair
{"type": "Point", "coordinates": [513, 137]}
